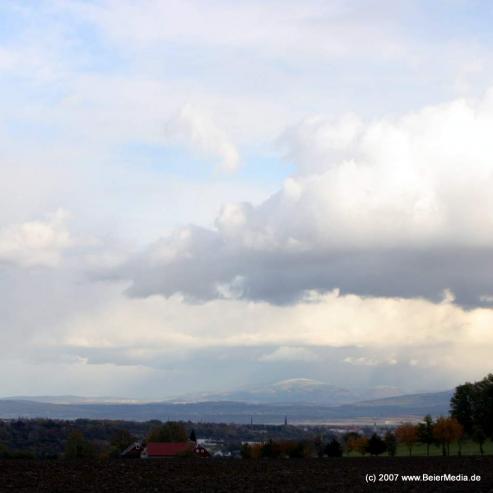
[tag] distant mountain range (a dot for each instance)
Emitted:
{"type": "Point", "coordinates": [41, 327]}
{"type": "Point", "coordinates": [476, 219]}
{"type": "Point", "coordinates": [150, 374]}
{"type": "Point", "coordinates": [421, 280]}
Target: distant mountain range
{"type": "Point", "coordinates": [73, 399]}
{"type": "Point", "coordinates": [301, 400]}
{"type": "Point", "coordinates": [295, 390]}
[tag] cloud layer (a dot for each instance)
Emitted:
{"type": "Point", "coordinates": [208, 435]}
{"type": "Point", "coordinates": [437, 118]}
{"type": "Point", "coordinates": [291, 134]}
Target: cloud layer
{"type": "Point", "coordinates": [333, 337]}
{"type": "Point", "coordinates": [392, 207]}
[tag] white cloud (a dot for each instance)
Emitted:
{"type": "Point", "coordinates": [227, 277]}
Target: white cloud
{"type": "Point", "coordinates": [420, 179]}
{"type": "Point", "coordinates": [36, 243]}
{"type": "Point", "coordinates": [196, 130]}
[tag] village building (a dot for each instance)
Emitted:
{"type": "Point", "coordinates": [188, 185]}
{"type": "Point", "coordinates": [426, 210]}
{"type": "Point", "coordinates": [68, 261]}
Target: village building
{"type": "Point", "coordinates": [133, 451]}
{"type": "Point", "coordinates": [166, 450]}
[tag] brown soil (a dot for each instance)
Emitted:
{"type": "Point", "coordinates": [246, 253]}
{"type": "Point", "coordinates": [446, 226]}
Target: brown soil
{"type": "Point", "coordinates": [235, 475]}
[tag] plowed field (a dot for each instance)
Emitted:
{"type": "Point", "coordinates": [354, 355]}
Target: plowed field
{"type": "Point", "coordinates": [235, 475]}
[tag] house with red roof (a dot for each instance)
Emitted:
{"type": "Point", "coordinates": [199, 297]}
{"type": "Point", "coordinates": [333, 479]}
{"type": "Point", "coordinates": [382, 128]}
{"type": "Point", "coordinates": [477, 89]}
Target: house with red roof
{"type": "Point", "coordinates": [166, 450]}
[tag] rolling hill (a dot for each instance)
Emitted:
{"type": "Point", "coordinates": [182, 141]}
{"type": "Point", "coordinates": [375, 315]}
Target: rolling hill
{"type": "Point", "coordinates": [404, 406]}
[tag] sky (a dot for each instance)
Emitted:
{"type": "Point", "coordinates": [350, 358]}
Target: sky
{"type": "Point", "coordinates": [205, 195]}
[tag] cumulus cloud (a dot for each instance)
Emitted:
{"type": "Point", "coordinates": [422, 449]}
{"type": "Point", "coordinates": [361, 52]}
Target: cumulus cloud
{"type": "Point", "coordinates": [198, 132]}
{"type": "Point", "coordinates": [393, 207]}
{"type": "Point", "coordinates": [36, 243]}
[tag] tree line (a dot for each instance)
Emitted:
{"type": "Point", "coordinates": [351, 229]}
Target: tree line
{"type": "Point", "coordinates": [471, 418]}
{"type": "Point", "coordinates": [47, 438]}
{"type": "Point", "coordinates": [441, 433]}
{"type": "Point", "coordinates": [472, 406]}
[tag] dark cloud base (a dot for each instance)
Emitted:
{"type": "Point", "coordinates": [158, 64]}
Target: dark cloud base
{"type": "Point", "coordinates": [282, 278]}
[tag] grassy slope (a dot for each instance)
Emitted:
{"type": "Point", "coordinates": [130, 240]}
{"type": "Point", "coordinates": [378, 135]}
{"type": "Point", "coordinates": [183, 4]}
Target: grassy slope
{"type": "Point", "coordinates": [468, 448]}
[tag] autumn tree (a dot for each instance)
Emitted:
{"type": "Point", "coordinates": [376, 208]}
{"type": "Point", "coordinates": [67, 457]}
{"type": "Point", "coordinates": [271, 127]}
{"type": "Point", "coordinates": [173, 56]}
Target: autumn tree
{"type": "Point", "coordinates": [425, 432]}
{"type": "Point", "coordinates": [447, 431]}
{"type": "Point", "coordinates": [300, 449]}
{"type": "Point", "coordinates": [361, 445]}
{"type": "Point", "coordinates": [407, 434]}
{"type": "Point", "coordinates": [256, 450]}
{"type": "Point", "coordinates": [350, 441]}
{"type": "Point", "coordinates": [390, 443]}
